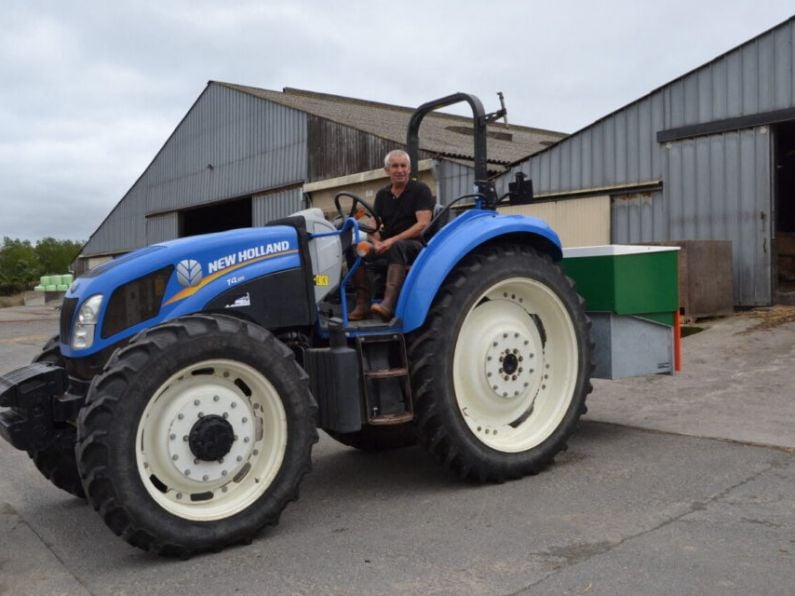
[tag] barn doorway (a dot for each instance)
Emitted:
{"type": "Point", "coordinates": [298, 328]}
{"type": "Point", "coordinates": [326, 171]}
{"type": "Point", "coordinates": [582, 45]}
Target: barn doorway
{"type": "Point", "coordinates": [218, 217]}
{"type": "Point", "coordinates": [785, 212]}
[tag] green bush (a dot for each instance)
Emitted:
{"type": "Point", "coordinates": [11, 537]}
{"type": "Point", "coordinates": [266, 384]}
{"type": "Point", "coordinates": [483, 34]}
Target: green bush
{"type": "Point", "coordinates": [22, 263]}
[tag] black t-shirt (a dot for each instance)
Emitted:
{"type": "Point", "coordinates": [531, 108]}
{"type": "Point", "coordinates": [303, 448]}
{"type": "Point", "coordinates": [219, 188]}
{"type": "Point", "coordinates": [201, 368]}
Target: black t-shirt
{"type": "Point", "coordinates": [397, 214]}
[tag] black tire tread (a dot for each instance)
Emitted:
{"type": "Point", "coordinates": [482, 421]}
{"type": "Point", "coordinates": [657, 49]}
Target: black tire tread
{"type": "Point", "coordinates": [433, 422]}
{"type": "Point", "coordinates": [121, 371]}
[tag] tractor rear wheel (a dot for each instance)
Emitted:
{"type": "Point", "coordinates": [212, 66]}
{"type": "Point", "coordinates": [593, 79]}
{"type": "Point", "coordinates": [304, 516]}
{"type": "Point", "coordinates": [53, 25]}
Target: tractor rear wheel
{"type": "Point", "coordinates": [502, 366]}
{"type": "Point", "coordinates": [57, 461]}
{"type": "Point", "coordinates": [196, 435]}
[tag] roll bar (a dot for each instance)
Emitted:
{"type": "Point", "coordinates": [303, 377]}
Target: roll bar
{"type": "Point", "coordinates": [480, 120]}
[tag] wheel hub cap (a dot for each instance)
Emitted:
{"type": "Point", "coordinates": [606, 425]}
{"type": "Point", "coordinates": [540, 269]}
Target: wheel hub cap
{"type": "Point", "coordinates": [211, 438]}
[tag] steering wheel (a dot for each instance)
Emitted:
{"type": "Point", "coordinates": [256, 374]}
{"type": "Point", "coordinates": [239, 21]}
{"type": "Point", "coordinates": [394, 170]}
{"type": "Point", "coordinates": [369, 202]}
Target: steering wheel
{"type": "Point", "coordinates": [356, 213]}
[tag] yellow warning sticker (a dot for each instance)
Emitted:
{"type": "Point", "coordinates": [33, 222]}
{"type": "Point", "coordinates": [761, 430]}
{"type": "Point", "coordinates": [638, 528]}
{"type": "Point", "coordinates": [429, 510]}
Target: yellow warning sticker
{"type": "Point", "coordinates": [321, 280]}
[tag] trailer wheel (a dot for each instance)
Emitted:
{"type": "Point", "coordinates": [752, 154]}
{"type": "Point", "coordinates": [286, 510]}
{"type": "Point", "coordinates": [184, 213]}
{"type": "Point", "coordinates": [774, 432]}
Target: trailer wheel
{"type": "Point", "coordinates": [196, 435]}
{"type": "Point", "coordinates": [57, 461]}
{"type": "Point", "coordinates": [502, 366]}
{"type": "Point", "coordinates": [378, 438]}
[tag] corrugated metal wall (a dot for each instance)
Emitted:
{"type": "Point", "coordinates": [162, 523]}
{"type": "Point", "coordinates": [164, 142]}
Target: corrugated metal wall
{"type": "Point", "coordinates": [162, 227]}
{"type": "Point", "coordinates": [276, 205]}
{"type": "Point", "coordinates": [714, 188]}
{"type": "Point", "coordinates": [337, 150]}
{"type": "Point", "coordinates": [228, 145]}
{"type": "Point", "coordinates": [454, 180]}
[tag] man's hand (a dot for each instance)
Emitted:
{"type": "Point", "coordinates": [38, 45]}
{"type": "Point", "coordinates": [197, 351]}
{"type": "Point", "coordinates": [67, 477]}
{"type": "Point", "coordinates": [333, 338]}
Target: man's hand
{"type": "Point", "coordinates": [382, 247]}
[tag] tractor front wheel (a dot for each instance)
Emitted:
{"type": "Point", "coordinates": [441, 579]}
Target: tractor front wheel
{"type": "Point", "coordinates": [196, 435]}
{"type": "Point", "coordinates": [501, 368]}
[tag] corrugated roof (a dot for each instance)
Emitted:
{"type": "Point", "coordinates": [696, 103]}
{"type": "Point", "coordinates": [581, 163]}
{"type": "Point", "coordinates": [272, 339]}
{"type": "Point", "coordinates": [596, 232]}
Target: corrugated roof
{"type": "Point", "coordinates": [440, 134]}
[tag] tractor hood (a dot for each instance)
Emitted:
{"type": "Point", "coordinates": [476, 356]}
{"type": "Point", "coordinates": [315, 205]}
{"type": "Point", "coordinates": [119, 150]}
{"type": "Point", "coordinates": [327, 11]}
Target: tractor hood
{"type": "Point", "coordinates": [170, 279]}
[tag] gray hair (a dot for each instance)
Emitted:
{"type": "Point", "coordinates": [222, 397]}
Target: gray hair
{"type": "Point", "coordinates": [396, 153]}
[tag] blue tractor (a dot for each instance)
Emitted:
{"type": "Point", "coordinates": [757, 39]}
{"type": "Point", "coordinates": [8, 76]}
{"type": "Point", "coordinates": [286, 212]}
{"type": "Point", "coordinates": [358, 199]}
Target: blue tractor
{"type": "Point", "coordinates": [183, 395]}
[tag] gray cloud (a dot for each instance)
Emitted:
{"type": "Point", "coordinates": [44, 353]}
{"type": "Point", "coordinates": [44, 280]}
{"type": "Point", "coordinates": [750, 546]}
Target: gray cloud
{"type": "Point", "coordinates": [91, 90]}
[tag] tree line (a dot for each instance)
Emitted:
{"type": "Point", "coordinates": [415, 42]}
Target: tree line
{"type": "Point", "coordinates": [23, 263]}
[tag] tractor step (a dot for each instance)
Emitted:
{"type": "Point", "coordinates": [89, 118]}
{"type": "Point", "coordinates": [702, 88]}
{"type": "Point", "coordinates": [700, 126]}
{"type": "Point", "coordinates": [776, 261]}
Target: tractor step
{"type": "Point", "coordinates": [385, 379]}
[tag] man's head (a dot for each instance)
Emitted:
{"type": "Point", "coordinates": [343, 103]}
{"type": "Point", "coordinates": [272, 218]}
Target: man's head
{"type": "Point", "coordinates": [398, 165]}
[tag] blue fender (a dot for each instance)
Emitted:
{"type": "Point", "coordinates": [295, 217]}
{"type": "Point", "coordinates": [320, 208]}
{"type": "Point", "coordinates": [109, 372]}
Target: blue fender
{"type": "Point", "coordinates": [452, 243]}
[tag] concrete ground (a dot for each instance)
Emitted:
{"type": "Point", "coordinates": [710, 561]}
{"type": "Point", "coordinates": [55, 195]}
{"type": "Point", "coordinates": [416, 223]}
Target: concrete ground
{"type": "Point", "coordinates": [672, 485]}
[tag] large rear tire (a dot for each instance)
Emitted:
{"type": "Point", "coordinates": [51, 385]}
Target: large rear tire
{"type": "Point", "coordinates": [57, 462]}
{"type": "Point", "coordinates": [196, 435]}
{"type": "Point", "coordinates": [502, 366]}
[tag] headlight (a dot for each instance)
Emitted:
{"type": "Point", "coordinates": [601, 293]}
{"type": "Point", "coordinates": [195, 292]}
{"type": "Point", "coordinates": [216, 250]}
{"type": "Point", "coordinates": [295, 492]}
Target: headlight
{"type": "Point", "coordinates": [87, 318]}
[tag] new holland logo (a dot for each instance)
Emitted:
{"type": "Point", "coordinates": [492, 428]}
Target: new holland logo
{"type": "Point", "coordinates": [189, 273]}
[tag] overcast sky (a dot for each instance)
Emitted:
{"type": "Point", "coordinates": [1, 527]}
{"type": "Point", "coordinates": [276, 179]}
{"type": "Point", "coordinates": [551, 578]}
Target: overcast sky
{"type": "Point", "coordinates": [92, 89]}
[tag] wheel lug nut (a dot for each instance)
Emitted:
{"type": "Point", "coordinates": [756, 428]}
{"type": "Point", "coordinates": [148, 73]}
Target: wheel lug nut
{"type": "Point", "coordinates": [179, 495]}
{"type": "Point", "coordinates": [239, 458]}
{"type": "Point", "coordinates": [172, 436]}
{"type": "Point", "coordinates": [187, 472]}
{"type": "Point", "coordinates": [234, 404]}
{"type": "Point", "coordinates": [216, 398]}
{"type": "Point", "coordinates": [201, 415]}
{"type": "Point", "coordinates": [245, 420]}
{"type": "Point", "coordinates": [516, 335]}
{"type": "Point", "coordinates": [196, 402]}
{"type": "Point", "coordinates": [185, 438]}
{"type": "Point", "coordinates": [224, 473]}
{"type": "Point", "coordinates": [180, 416]}
{"type": "Point", "coordinates": [225, 414]}
{"type": "Point", "coordinates": [513, 377]}
{"type": "Point", "coordinates": [488, 374]}
{"type": "Point", "coordinates": [205, 477]}
{"type": "Point", "coordinates": [175, 457]}
{"type": "Point", "coordinates": [505, 336]}
{"type": "Point", "coordinates": [196, 461]}
{"type": "Point", "coordinates": [246, 439]}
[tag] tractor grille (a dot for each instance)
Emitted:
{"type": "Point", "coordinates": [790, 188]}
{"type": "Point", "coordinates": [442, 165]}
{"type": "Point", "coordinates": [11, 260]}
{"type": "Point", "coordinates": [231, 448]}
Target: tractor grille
{"type": "Point", "coordinates": [67, 314]}
{"type": "Point", "coordinates": [135, 301]}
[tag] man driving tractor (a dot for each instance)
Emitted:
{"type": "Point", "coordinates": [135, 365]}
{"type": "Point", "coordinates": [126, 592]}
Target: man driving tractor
{"type": "Point", "coordinates": [405, 208]}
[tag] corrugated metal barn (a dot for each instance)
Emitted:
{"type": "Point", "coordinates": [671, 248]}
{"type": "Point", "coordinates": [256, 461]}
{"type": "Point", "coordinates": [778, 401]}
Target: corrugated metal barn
{"type": "Point", "coordinates": [709, 156]}
{"type": "Point", "coordinates": [244, 156]}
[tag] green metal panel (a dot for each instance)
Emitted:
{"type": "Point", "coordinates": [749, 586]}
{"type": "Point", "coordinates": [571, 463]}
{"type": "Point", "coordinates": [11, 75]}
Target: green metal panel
{"type": "Point", "coordinates": [642, 283]}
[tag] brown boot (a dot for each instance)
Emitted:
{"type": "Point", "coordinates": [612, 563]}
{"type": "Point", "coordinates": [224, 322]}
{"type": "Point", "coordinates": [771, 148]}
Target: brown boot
{"type": "Point", "coordinates": [362, 287]}
{"type": "Point", "coordinates": [395, 274]}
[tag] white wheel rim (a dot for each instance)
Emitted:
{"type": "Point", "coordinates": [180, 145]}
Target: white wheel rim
{"type": "Point", "coordinates": [201, 490]}
{"type": "Point", "coordinates": [512, 388]}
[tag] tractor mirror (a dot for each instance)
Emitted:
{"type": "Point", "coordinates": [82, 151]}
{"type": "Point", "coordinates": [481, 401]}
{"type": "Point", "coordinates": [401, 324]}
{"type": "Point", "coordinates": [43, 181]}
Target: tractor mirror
{"type": "Point", "coordinates": [520, 190]}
